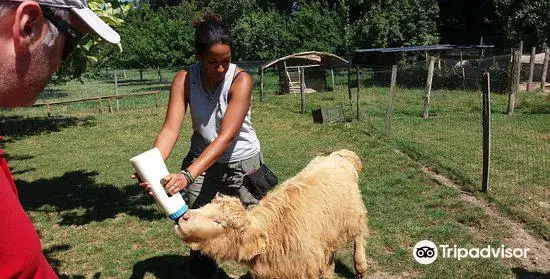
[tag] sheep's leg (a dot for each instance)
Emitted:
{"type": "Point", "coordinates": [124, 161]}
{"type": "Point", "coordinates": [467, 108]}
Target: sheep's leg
{"type": "Point", "coordinates": [328, 271]}
{"type": "Point", "coordinates": [360, 259]}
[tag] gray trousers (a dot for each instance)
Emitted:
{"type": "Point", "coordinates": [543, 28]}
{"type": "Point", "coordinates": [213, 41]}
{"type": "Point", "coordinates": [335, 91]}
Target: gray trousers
{"type": "Point", "coordinates": [223, 178]}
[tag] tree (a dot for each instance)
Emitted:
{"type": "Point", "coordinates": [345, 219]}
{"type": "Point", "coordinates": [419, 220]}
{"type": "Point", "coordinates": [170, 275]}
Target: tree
{"type": "Point", "coordinates": [232, 10]}
{"type": "Point", "coordinates": [526, 20]}
{"type": "Point", "coordinates": [160, 38]}
{"type": "Point", "coordinates": [396, 23]}
{"type": "Point", "coordinates": [317, 28]}
{"type": "Point", "coordinates": [91, 49]}
{"type": "Point", "coordinates": [262, 35]}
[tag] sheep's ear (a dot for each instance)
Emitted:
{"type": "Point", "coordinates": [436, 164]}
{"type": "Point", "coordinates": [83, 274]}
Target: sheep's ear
{"type": "Point", "coordinates": [262, 243]}
{"type": "Point", "coordinates": [236, 221]}
{"type": "Point", "coordinates": [253, 243]}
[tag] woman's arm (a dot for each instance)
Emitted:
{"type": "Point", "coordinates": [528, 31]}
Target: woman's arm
{"type": "Point", "coordinates": [239, 103]}
{"type": "Point", "coordinates": [177, 107]}
{"type": "Point", "coordinates": [168, 135]}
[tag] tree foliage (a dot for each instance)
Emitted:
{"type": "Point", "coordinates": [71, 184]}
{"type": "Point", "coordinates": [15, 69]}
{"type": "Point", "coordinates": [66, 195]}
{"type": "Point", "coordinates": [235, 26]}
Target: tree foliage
{"type": "Point", "coordinates": [92, 49]}
{"type": "Point", "coordinates": [396, 23]}
{"type": "Point", "coordinates": [262, 35]}
{"type": "Point", "coordinates": [158, 33]}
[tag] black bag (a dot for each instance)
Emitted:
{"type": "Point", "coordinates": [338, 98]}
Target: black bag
{"type": "Point", "coordinates": [260, 181]}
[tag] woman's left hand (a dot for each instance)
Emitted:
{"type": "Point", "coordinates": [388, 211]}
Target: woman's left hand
{"type": "Point", "coordinates": [175, 182]}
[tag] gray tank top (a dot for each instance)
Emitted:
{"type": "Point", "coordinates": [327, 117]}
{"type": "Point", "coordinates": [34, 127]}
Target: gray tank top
{"type": "Point", "coordinates": [207, 112]}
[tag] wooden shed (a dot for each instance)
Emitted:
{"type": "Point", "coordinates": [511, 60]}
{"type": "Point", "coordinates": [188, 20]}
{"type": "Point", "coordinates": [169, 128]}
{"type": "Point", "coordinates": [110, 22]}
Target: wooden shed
{"type": "Point", "coordinates": [314, 64]}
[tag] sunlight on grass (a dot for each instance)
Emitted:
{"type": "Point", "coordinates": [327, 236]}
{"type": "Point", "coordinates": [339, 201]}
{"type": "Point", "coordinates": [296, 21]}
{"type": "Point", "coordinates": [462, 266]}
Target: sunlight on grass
{"type": "Point", "coordinates": [74, 176]}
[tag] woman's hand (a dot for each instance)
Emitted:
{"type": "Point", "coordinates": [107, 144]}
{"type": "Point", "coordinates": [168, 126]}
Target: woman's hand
{"type": "Point", "coordinates": [142, 184]}
{"type": "Point", "coordinates": [175, 182]}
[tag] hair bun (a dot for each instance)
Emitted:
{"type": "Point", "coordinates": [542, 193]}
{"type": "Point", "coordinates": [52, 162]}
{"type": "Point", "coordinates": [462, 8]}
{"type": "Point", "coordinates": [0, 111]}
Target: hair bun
{"type": "Point", "coordinates": [207, 17]}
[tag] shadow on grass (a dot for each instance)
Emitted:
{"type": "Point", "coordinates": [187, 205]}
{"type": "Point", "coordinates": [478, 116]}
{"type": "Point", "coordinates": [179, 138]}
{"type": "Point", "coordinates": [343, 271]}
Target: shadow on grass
{"type": "Point", "coordinates": [138, 82]}
{"type": "Point", "coordinates": [525, 274]}
{"type": "Point", "coordinates": [165, 267]}
{"type": "Point", "coordinates": [342, 270]}
{"type": "Point", "coordinates": [153, 88]}
{"type": "Point", "coordinates": [162, 267]}
{"type": "Point", "coordinates": [55, 263]}
{"type": "Point", "coordinates": [50, 93]}
{"type": "Point", "coordinates": [79, 200]}
{"type": "Point", "coordinates": [19, 126]}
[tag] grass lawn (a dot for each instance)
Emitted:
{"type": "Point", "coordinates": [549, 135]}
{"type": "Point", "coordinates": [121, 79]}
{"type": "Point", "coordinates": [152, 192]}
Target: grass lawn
{"type": "Point", "coordinates": [73, 174]}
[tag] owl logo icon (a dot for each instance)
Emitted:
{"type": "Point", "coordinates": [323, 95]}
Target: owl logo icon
{"type": "Point", "coordinates": [425, 252]}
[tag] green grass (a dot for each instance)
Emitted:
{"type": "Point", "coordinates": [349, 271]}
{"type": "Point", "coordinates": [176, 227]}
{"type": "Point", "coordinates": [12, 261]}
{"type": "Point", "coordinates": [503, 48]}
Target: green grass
{"type": "Point", "coordinates": [73, 174]}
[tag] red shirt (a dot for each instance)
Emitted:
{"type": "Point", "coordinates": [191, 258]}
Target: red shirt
{"type": "Point", "coordinates": [20, 249]}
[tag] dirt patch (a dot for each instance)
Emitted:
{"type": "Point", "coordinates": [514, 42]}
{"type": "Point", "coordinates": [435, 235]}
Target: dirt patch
{"type": "Point", "coordinates": [538, 256]}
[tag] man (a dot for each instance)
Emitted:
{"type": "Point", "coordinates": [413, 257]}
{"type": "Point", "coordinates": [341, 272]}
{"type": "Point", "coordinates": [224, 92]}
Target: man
{"type": "Point", "coordinates": [35, 36]}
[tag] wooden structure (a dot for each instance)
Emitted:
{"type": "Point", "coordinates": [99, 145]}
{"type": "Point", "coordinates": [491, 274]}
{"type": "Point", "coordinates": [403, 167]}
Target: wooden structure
{"type": "Point", "coordinates": [100, 100]}
{"type": "Point", "coordinates": [313, 64]}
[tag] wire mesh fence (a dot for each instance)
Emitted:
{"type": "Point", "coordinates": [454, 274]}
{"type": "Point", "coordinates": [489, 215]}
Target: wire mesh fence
{"type": "Point", "coordinates": [449, 137]}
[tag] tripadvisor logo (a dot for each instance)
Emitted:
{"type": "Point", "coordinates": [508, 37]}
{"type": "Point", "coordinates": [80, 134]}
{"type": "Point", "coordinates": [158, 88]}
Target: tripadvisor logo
{"type": "Point", "coordinates": [426, 252]}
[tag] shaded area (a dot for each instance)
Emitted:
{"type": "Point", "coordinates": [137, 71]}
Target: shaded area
{"type": "Point", "coordinates": [166, 267]}
{"type": "Point", "coordinates": [344, 271]}
{"type": "Point", "coordinates": [525, 274]}
{"type": "Point", "coordinates": [18, 172]}
{"type": "Point", "coordinates": [50, 93]}
{"type": "Point", "coordinates": [139, 82]}
{"type": "Point", "coordinates": [153, 88]}
{"type": "Point", "coordinates": [20, 126]}
{"type": "Point", "coordinates": [55, 263]}
{"type": "Point", "coordinates": [162, 267]}
{"type": "Point", "coordinates": [79, 200]}
{"type": "Point", "coordinates": [17, 157]}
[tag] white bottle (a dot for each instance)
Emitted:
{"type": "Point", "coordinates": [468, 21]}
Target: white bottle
{"type": "Point", "coordinates": [151, 168]}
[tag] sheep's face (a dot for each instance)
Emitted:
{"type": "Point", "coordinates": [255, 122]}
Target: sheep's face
{"type": "Point", "coordinates": [217, 218]}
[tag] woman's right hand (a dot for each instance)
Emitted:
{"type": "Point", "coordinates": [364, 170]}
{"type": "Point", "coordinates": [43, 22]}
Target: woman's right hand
{"type": "Point", "coordinates": [142, 184]}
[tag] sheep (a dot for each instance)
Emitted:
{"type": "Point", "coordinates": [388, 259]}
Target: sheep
{"type": "Point", "coordinates": [295, 229]}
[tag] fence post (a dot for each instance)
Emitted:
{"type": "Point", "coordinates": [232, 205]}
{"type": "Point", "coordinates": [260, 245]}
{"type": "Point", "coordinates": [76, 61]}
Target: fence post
{"type": "Point", "coordinates": [302, 91]}
{"type": "Point", "coordinates": [100, 105]}
{"type": "Point", "coordinates": [358, 89]}
{"type": "Point", "coordinates": [349, 83]}
{"type": "Point", "coordinates": [515, 82]}
{"type": "Point", "coordinates": [428, 87]}
{"type": "Point", "coordinates": [48, 110]}
{"type": "Point", "coordinates": [110, 105]}
{"type": "Point", "coordinates": [261, 84]}
{"type": "Point", "coordinates": [544, 69]}
{"type": "Point", "coordinates": [390, 98]}
{"type": "Point", "coordinates": [531, 69]}
{"type": "Point", "coordinates": [157, 100]}
{"type": "Point", "coordinates": [160, 76]}
{"type": "Point", "coordinates": [124, 72]}
{"type": "Point", "coordinates": [482, 49]}
{"type": "Point", "coordinates": [486, 132]}
{"type": "Point", "coordinates": [332, 76]}
{"type": "Point", "coordinates": [116, 91]}
{"type": "Point", "coordinates": [463, 72]}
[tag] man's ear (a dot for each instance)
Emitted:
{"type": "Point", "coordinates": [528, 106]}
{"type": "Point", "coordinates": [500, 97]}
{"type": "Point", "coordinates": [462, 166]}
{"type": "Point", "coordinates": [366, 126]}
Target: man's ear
{"type": "Point", "coordinates": [28, 26]}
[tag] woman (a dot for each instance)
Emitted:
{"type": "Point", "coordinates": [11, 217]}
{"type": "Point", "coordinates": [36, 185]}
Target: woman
{"type": "Point", "coordinates": [224, 146]}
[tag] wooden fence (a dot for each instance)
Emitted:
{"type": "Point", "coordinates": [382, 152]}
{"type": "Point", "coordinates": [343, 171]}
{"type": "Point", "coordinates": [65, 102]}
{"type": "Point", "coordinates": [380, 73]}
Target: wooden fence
{"type": "Point", "coordinates": [100, 100]}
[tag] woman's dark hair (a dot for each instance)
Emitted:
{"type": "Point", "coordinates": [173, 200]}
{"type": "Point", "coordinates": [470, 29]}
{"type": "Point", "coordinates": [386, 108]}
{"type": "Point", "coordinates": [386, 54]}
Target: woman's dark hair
{"type": "Point", "coordinates": [210, 30]}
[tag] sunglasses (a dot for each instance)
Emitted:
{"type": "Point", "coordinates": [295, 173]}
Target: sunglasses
{"type": "Point", "coordinates": [73, 35]}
